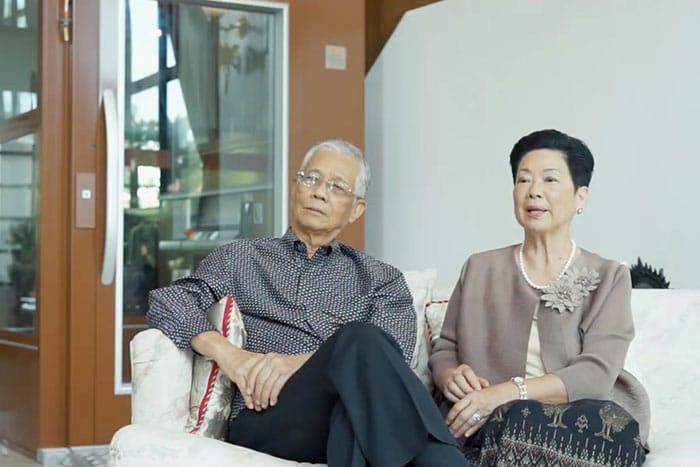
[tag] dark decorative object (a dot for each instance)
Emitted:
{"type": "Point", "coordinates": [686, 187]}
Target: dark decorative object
{"type": "Point", "coordinates": [22, 269]}
{"type": "Point", "coordinates": [646, 277]}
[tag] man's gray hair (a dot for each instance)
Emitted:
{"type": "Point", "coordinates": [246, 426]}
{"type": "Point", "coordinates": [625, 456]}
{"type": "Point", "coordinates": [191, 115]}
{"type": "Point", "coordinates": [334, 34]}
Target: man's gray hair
{"type": "Point", "coordinates": [344, 147]}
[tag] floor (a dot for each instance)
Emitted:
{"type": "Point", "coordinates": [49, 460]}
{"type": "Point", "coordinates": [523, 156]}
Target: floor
{"type": "Point", "coordinates": [10, 458]}
{"type": "Point", "coordinates": [77, 458]}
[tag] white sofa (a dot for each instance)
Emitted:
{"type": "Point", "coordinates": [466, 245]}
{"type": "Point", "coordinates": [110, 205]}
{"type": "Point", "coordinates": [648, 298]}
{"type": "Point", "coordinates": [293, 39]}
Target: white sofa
{"type": "Point", "coordinates": [662, 356]}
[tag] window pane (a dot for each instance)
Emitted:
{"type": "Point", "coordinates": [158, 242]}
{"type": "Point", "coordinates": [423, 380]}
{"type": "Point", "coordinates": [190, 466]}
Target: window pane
{"type": "Point", "coordinates": [19, 185]}
{"type": "Point", "coordinates": [18, 238]}
{"type": "Point", "coordinates": [144, 31]}
{"type": "Point", "coordinates": [142, 126]}
{"type": "Point", "coordinates": [201, 159]}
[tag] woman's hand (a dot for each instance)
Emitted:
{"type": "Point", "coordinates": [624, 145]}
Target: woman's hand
{"type": "Point", "coordinates": [456, 383]}
{"type": "Point", "coordinates": [471, 412]}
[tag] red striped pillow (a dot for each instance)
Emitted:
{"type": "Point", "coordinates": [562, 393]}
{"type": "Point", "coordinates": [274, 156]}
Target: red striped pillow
{"type": "Point", "coordinates": [212, 391]}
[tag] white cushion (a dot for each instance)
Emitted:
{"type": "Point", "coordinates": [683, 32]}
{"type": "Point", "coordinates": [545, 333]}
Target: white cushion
{"type": "Point", "coordinates": [141, 445]}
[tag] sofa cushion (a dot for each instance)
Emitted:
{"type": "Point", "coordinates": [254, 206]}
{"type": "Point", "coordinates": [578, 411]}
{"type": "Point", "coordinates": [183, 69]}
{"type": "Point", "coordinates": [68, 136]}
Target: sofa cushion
{"type": "Point", "coordinates": [420, 283]}
{"type": "Point", "coordinates": [141, 445]}
{"type": "Point", "coordinates": [667, 323]}
{"type": "Point", "coordinates": [212, 390]}
{"type": "Point", "coordinates": [676, 448]}
{"type": "Point", "coordinates": [435, 313]}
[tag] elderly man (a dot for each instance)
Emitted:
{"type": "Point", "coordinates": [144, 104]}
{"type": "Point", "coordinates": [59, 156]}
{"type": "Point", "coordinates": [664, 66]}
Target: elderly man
{"type": "Point", "coordinates": [323, 377]}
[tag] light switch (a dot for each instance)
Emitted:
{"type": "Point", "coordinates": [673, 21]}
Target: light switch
{"type": "Point", "coordinates": [84, 200]}
{"type": "Point", "coordinates": [336, 57]}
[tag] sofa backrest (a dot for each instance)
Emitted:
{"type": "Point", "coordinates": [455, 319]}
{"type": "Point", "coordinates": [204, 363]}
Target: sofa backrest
{"type": "Point", "coordinates": [664, 357]}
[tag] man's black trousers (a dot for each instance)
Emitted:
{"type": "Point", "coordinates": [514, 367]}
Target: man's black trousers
{"type": "Point", "coordinates": [354, 403]}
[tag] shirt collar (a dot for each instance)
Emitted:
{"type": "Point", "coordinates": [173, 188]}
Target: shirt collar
{"type": "Point", "coordinates": [293, 242]}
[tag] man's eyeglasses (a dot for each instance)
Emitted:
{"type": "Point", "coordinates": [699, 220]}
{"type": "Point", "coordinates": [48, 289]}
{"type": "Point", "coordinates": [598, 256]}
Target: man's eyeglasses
{"type": "Point", "coordinates": [335, 188]}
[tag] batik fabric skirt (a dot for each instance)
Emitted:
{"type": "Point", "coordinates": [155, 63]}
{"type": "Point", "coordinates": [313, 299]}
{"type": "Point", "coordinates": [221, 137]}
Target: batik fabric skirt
{"type": "Point", "coordinates": [586, 432]}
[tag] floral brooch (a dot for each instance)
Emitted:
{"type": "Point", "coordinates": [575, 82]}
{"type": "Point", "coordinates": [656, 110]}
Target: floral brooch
{"type": "Point", "coordinates": [568, 292]}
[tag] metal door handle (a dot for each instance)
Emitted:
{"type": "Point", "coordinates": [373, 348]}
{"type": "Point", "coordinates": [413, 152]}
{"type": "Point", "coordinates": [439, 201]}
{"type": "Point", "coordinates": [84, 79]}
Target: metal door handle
{"type": "Point", "coordinates": [109, 258]}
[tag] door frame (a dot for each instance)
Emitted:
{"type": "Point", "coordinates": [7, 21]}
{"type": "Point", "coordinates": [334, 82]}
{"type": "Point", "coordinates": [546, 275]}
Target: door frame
{"type": "Point", "coordinates": [54, 224]}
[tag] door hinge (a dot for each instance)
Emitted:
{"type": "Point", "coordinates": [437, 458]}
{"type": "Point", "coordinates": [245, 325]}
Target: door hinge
{"type": "Point", "coordinates": [65, 21]}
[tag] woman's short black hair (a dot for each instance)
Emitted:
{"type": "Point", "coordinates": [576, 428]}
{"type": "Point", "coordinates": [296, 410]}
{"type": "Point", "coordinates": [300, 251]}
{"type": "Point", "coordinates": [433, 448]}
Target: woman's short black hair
{"type": "Point", "coordinates": [577, 155]}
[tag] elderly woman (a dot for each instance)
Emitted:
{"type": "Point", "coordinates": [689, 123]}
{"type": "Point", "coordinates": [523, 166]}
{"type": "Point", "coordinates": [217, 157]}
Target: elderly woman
{"type": "Point", "coordinates": [529, 364]}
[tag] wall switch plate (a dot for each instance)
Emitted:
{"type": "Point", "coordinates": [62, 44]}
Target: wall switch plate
{"type": "Point", "coordinates": [336, 57]}
{"type": "Point", "coordinates": [84, 200]}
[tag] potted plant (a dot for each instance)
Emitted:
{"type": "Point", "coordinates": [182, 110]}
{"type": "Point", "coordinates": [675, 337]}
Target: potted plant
{"type": "Point", "coordinates": [22, 270]}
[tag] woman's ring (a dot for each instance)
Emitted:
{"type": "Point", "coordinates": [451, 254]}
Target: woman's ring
{"type": "Point", "coordinates": [476, 417]}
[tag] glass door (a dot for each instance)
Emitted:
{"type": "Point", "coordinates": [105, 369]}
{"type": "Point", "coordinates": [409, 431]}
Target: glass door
{"type": "Point", "coordinates": [33, 223]}
{"type": "Point", "coordinates": [200, 104]}
{"type": "Point", "coordinates": [20, 139]}
{"type": "Point", "coordinates": [19, 165]}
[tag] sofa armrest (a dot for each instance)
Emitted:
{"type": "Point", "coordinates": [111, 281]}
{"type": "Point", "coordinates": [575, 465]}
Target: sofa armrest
{"type": "Point", "coordinates": [141, 445]}
{"type": "Point", "coordinates": [161, 381]}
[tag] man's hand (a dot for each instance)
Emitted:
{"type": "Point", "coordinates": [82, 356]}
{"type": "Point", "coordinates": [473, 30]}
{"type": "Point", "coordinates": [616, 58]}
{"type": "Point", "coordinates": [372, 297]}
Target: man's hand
{"type": "Point", "coordinates": [259, 377]}
{"type": "Point", "coordinates": [456, 383]}
{"type": "Point", "coordinates": [237, 366]}
{"type": "Point", "coordinates": [267, 376]}
{"type": "Point", "coordinates": [236, 363]}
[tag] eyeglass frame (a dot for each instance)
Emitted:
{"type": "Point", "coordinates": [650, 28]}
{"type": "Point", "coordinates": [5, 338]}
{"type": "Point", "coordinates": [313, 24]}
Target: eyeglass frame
{"type": "Point", "coordinates": [303, 178]}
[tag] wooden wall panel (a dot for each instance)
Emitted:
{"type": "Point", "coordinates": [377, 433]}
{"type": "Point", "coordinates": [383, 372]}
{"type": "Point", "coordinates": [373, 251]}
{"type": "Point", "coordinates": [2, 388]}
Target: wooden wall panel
{"type": "Point", "coordinates": [85, 244]}
{"type": "Point", "coordinates": [326, 103]}
{"type": "Point", "coordinates": [19, 394]}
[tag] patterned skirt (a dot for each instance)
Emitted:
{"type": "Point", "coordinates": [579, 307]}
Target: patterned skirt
{"type": "Point", "coordinates": [586, 432]}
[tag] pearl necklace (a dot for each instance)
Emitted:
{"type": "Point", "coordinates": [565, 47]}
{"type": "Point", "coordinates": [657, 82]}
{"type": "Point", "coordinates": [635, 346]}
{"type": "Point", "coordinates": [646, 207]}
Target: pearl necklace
{"type": "Point", "coordinates": [521, 263]}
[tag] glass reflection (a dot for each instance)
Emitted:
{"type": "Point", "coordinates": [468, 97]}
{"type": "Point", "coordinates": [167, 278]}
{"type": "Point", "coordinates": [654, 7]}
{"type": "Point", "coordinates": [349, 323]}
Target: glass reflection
{"type": "Point", "coordinates": [19, 184]}
{"type": "Point", "coordinates": [200, 159]}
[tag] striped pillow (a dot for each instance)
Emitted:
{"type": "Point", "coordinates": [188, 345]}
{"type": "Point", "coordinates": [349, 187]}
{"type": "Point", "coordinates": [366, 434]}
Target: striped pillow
{"type": "Point", "coordinates": [212, 391]}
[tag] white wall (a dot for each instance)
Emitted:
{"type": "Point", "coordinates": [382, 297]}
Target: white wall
{"type": "Point", "coordinates": [461, 80]}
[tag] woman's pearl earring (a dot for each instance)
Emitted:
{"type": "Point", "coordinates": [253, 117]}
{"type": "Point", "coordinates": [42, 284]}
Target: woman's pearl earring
{"type": "Point", "coordinates": [579, 211]}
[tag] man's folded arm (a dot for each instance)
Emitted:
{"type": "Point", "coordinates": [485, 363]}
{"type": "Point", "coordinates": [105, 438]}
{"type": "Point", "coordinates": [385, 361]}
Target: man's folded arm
{"type": "Point", "coordinates": [393, 312]}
